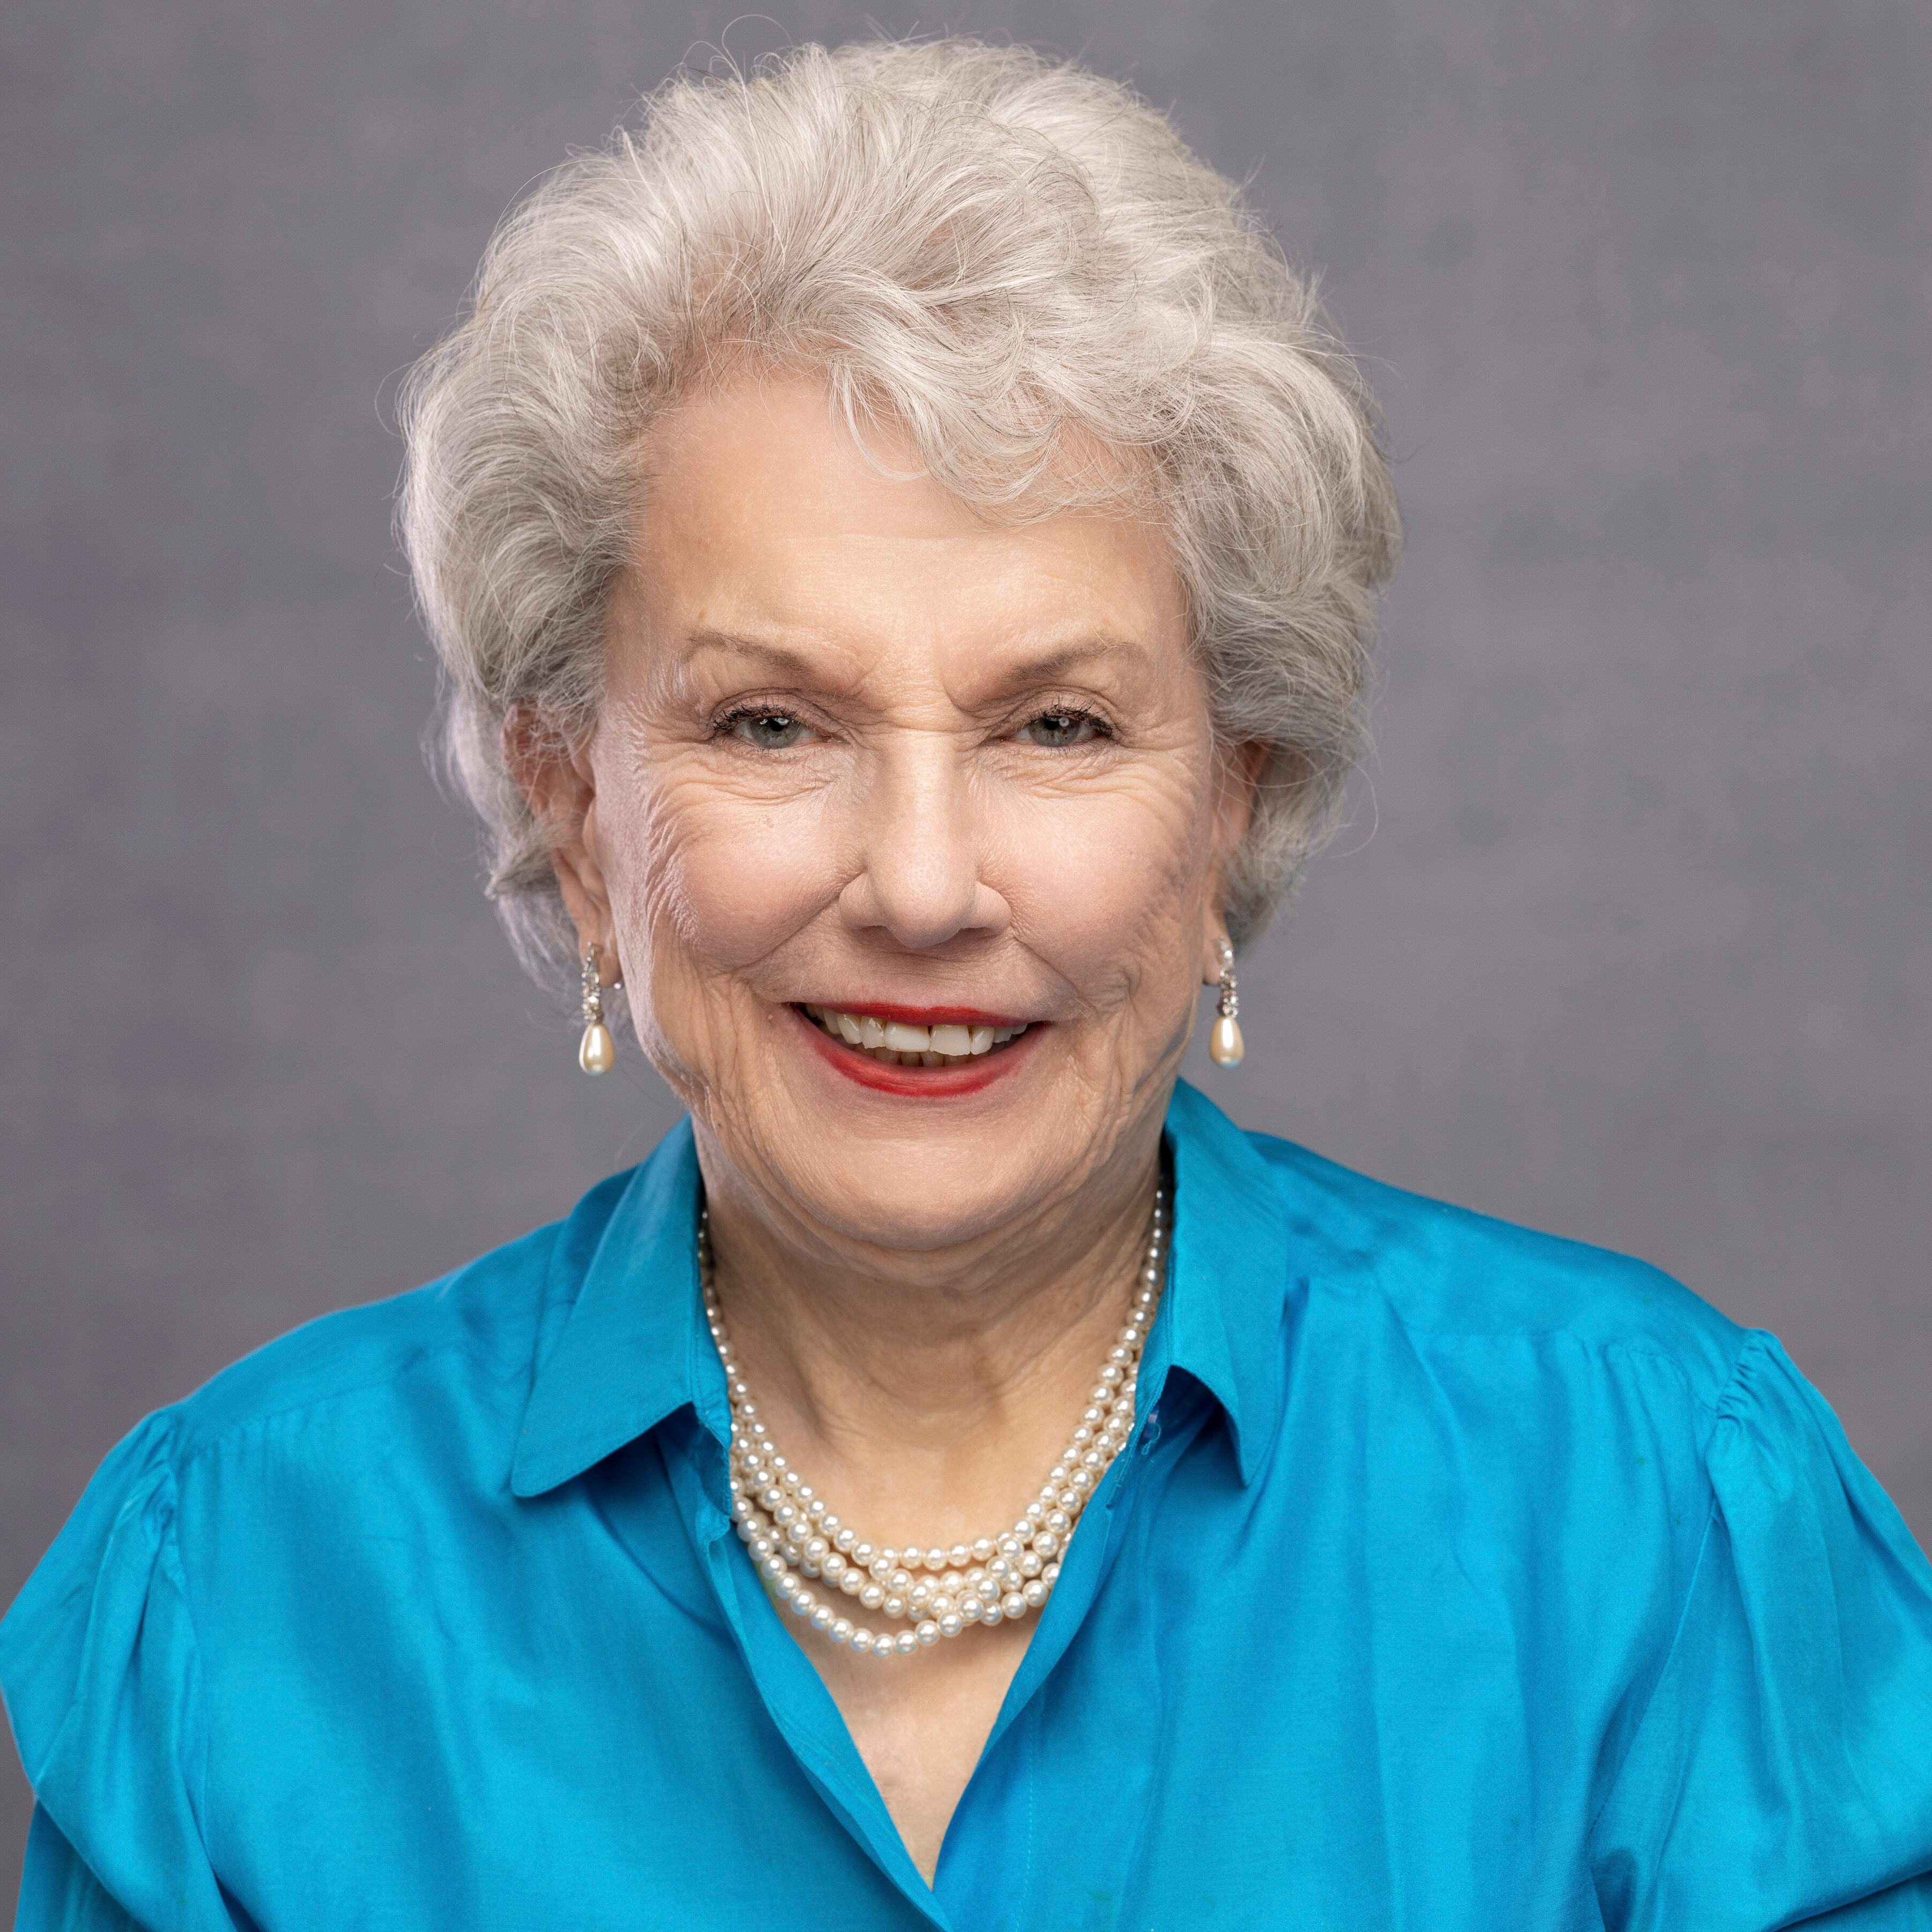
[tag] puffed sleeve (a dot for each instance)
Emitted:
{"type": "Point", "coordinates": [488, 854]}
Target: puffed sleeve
{"type": "Point", "coordinates": [1782, 1771]}
{"type": "Point", "coordinates": [102, 1681]}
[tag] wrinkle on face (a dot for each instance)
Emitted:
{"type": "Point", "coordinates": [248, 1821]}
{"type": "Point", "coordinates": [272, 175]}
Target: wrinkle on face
{"type": "Point", "coordinates": [919, 847]}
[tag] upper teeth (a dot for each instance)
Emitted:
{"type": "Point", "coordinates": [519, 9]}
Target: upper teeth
{"type": "Point", "coordinates": [934, 1044]}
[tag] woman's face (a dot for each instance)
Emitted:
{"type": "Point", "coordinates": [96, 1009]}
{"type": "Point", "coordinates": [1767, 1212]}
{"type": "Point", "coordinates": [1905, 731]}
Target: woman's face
{"type": "Point", "coordinates": [863, 754]}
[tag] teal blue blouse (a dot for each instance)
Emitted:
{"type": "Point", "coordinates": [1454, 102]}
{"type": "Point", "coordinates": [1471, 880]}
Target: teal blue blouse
{"type": "Point", "coordinates": [1456, 1579]}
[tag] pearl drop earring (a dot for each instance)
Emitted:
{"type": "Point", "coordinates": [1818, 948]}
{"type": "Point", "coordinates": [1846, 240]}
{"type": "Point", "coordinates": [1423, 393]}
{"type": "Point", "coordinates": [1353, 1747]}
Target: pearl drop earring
{"type": "Point", "coordinates": [1224, 1043]}
{"type": "Point", "coordinates": [597, 1052]}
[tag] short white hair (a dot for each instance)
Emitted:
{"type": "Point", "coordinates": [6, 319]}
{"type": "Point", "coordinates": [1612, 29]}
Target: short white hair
{"type": "Point", "coordinates": [1007, 257]}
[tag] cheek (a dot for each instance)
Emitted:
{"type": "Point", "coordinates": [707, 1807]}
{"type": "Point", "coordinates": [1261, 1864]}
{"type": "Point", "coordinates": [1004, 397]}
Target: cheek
{"type": "Point", "coordinates": [1105, 887]}
{"type": "Point", "coordinates": [710, 878]}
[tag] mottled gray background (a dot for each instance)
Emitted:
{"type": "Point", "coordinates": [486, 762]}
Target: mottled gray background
{"type": "Point", "coordinates": [1629, 937]}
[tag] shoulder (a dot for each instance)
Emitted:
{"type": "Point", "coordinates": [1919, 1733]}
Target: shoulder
{"type": "Point", "coordinates": [360, 1374]}
{"type": "Point", "coordinates": [1445, 1273]}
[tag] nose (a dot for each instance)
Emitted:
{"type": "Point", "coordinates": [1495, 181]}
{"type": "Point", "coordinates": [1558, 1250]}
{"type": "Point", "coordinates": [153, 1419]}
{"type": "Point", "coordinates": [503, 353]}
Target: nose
{"type": "Point", "coordinates": [922, 840]}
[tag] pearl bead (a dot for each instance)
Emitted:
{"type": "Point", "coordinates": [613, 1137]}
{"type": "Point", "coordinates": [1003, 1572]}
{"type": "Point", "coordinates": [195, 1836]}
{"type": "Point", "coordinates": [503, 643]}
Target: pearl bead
{"type": "Point", "coordinates": [852, 1581]}
{"type": "Point", "coordinates": [899, 1581]}
{"type": "Point", "coordinates": [958, 1556]}
{"type": "Point", "coordinates": [935, 1560]}
{"type": "Point", "coordinates": [983, 1549]}
{"type": "Point", "coordinates": [862, 1642]}
{"type": "Point", "coordinates": [927, 1632]}
{"type": "Point", "coordinates": [597, 1053]}
{"type": "Point", "coordinates": [1224, 1042]}
{"type": "Point", "coordinates": [833, 1565]}
{"type": "Point", "coordinates": [1013, 1604]}
{"type": "Point", "coordinates": [894, 1607]}
{"type": "Point", "coordinates": [952, 1624]}
{"type": "Point", "coordinates": [846, 1538]}
{"type": "Point", "coordinates": [1030, 1564]}
{"type": "Point", "coordinates": [1037, 1592]}
{"type": "Point", "coordinates": [841, 1631]}
{"type": "Point", "coordinates": [871, 1596]}
{"type": "Point", "coordinates": [971, 1609]}
{"type": "Point", "coordinates": [1050, 1575]}
{"type": "Point", "coordinates": [821, 1616]}
{"type": "Point", "coordinates": [906, 1643]}
{"type": "Point", "coordinates": [943, 1605]}
{"type": "Point", "coordinates": [990, 1615]}
{"type": "Point", "coordinates": [862, 1554]}
{"type": "Point", "coordinates": [1056, 1522]}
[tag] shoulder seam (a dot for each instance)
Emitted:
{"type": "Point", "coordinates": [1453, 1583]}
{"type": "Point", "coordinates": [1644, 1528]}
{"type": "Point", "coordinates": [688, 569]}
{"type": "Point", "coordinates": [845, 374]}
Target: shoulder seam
{"type": "Point", "coordinates": [206, 1443]}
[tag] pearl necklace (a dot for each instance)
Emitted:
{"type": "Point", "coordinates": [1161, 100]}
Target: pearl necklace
{"type": "Point", "coordinates": [792, 1536]}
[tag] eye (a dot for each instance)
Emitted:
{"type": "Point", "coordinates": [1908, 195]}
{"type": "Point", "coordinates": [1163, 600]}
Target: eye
{"type": "Point", "coordinates": [770, 730]}
{"type": "Point", "coordinates": [1061, 730]}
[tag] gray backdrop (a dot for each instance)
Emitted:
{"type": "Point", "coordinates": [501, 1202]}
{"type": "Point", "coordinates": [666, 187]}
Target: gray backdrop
{"type": "Point", "coordinates": [1628, 938]}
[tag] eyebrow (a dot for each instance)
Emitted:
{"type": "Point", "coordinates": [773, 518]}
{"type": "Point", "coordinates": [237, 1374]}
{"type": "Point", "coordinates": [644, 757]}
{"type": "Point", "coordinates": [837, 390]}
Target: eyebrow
{"type": "Point", "coordinates": [1051, 664]}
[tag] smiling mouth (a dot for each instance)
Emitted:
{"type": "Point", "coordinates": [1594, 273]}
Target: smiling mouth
{"type": "Point", "coordinates": [893, 1042]}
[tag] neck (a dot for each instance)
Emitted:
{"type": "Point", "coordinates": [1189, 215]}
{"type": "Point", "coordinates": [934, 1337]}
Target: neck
{"type": "Point", "coordinates": [926, 1392]}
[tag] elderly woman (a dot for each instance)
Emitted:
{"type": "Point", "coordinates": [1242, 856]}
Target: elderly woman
{"type": "Point", "coordinates": [902, 547]}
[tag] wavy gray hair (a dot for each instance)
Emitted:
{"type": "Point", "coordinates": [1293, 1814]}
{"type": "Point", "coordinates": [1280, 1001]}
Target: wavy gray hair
{"type": "Point", "coordinates": [1007, 256]}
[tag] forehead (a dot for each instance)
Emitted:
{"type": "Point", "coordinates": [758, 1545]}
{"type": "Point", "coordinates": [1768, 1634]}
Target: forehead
{"type": "Point", "coordinates": [764, 516]}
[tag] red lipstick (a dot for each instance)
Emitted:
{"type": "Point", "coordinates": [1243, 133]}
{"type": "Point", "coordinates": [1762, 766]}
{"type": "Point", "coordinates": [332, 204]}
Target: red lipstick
{"type": "Point", "coordinates": [920, 1083]}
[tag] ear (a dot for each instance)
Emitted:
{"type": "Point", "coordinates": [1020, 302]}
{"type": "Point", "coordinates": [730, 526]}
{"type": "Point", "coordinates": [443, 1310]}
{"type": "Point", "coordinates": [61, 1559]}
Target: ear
{"type": "Point", "coordinates": [1237, 771]}
{"type": "Point", "coordinates": [555, 776]}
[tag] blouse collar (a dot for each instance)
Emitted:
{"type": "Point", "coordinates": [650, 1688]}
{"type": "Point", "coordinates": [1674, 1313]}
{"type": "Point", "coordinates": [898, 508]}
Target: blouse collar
{"type": "Point", "coordinates": [635, 1348]}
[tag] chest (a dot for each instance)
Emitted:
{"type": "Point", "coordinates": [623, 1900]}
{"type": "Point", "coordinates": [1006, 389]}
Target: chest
{"type": "Point", "coordinates": [1221, 1720]}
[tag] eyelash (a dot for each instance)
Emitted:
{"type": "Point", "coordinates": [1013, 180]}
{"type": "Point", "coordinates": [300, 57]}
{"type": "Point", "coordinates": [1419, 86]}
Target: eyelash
{"type": "Point", "coordinates": [723, 724]}
{"type": "Point", "coordinates": [1078, 715]}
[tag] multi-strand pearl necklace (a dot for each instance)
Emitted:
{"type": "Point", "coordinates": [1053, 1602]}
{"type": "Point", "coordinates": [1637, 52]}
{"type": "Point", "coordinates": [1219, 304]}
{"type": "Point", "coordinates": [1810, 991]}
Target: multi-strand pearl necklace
{"type": "Point", "coordinates": [792, 1536]}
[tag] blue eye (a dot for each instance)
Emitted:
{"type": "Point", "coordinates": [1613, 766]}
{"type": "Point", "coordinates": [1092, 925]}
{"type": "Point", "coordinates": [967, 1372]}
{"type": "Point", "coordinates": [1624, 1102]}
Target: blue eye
{"type": "Point", "coordinates": [770, 730]}
{"type": "Point", "coordinates": [1060, 729]}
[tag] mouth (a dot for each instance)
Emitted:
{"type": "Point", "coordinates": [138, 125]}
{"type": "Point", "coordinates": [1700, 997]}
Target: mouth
{"type": "Point", "coordinates": [924, 1053]}
{"type": "Point", "coordinates": [894, 1038]}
